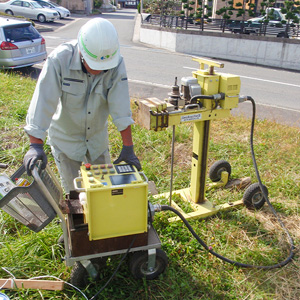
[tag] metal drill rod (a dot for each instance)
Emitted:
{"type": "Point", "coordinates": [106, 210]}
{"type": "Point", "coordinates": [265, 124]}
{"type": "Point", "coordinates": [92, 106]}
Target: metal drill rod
{"type": "Point", "coordinates": [172, 163]}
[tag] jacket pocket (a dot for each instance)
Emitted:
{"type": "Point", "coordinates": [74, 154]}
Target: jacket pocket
{"type": "Point", "coordinates": [73, 94]}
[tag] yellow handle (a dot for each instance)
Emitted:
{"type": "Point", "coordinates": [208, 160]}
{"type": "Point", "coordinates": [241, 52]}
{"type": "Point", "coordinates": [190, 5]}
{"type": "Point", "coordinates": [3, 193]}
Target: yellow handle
{"type": "Point", "coordinates": [211, 64]}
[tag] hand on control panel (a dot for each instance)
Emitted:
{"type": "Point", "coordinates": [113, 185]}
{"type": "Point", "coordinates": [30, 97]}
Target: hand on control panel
{"type": "Point", "coordinates": [127, 155]}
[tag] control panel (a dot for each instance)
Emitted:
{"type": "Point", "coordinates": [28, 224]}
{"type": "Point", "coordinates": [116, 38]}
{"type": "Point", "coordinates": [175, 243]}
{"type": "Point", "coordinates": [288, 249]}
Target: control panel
{"type": "Point", "coordinates": [108, 175]}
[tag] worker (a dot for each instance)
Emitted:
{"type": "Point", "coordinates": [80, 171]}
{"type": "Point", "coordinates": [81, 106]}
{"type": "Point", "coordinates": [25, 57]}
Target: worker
{"type": "Point", "coordinates": [81, 84]}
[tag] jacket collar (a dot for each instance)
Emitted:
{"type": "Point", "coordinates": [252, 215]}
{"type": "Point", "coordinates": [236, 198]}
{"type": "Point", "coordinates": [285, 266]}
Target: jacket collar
{"type": "Point", "coordinates": [75, 62]}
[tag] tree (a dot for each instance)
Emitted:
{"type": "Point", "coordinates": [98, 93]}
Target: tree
{"type": "Point", "coordinates": [290, 9]}
{"type": "Point", "coordinates": [166, 7]}
{"type": "Point", "coordinates": [188, 6]}
{"type": "Point", "coordinates": [225, 12]}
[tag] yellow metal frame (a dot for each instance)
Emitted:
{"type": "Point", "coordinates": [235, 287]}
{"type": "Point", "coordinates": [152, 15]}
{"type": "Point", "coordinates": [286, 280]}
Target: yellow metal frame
{"type": "Point", "coordinates": [211, 83]}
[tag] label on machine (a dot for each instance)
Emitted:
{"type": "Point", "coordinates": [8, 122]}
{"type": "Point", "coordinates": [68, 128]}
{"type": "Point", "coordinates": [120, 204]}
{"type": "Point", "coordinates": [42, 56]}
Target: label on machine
{"type": "Point", "coordinates": [189, 118]}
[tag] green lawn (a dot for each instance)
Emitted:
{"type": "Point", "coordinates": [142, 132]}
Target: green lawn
{"type": "Point", "coordinates": [253, 237]}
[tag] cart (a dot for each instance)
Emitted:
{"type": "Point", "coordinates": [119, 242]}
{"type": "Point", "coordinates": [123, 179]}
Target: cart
{"type": "Point", "coordinates": [39, 203]}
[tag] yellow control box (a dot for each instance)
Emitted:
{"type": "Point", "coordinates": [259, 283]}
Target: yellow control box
{"type": "Point", "coordinates": [114, 199]}
{"type": "Point", "coordinates": [230, 85]}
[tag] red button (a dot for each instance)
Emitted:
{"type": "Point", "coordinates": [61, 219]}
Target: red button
{"type": "Point", "coordinates": [88, 166]}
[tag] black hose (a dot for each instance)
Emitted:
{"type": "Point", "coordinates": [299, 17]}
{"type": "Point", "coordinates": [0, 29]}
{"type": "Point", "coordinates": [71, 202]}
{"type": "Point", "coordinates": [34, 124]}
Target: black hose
{"type": "Point", "coordinates": [292, 247]}
{"type": "Point", "coordinates": [209, 97]}
{"type": "Point", "coordinates": [202, 243]}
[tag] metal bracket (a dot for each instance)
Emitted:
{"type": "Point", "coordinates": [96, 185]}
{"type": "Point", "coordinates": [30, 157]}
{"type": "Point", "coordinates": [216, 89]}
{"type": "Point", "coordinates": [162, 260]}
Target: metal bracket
{"type": "Point", "coordinates": [151, 259]}
{"type": "Point", "coordinates": [164, 119]}
{"type": "Point", "coordinates": [90, 268]}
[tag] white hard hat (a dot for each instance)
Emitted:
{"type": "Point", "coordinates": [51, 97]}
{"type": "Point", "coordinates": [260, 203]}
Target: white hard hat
{"type": "Point", "coordinates": [99, 45]}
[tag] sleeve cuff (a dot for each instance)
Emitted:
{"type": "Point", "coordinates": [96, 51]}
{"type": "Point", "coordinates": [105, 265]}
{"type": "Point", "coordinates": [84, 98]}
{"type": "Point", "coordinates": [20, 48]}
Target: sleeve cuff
{"type": "Point", "coordinates": [123, 123]}
{"type": "Point", "coordinates": [37, 133]}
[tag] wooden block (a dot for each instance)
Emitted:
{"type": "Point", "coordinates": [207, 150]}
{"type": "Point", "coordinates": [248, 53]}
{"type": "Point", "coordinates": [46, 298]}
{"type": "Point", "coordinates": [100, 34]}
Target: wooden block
{"type": "Point", "coordinates": [50, 285]}
{"type": "Point", "coordinates": [143, 116]}
{"type": "Point", "coordinates": [159, 104]}
{"type": "Point", "coordinates": [70, 206]}
{"type": "Point", "coordinates": [149, 117]}
{"type": "Point", "coordinates": [240, 183]}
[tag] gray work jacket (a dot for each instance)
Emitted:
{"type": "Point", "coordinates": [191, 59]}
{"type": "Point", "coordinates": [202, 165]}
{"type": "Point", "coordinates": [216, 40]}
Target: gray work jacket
{"type": "Point", "coordinates": [74, 106]}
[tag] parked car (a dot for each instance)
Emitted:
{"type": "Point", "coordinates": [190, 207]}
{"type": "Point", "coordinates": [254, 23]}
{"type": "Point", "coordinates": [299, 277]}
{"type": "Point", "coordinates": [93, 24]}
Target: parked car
{"type": "Point", "coordinates": [275, 17]}
{"type": "Point", "coordinates": [62, 11]}
{"type": "Point", "coordinates": [273, 27]}
{"type": "Point", "coordinates": [29, 9]}
{"type": "Point", "coordinates": [21, 45]}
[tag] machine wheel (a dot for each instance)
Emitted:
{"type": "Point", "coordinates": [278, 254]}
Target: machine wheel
{"type": "Point", "coordinates": [253, 197]}
{"type": "Point", "coordinates": [79, 275]}
{"type": "Point", "coordinates": [41, 18]}
{"type": "Point", "coordinates": [9, 12]}
{"type": "Point", "coordinates": [217, 168]}
{"type": "Point", "coordinates": [138, 264]}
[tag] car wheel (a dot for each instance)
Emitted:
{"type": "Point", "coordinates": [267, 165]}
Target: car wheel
{"type": "Point", "coordinates": [9, 12]}
{"type": "Point", "coordinates": [41, 18]}
{"type": "Point", "coordinates": [283, 35]}
{"type": "Point", "coordinates": [59, 15]}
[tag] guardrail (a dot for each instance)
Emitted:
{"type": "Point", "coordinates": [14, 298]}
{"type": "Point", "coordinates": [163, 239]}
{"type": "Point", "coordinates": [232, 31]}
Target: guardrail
{"type": "Point", "coordinates": [232, 26]}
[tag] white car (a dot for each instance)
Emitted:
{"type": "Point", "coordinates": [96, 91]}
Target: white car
{"type": "Point", "coordinates": [21, 45]}
{"type": "Point", "coordinates": [62, 11]}
{"type": "Point", "coordinates": [29, 9]}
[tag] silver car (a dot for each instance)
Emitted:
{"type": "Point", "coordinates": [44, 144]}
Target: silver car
{"type": "Point", "coordinates": [21, 45]}
{"type": "Point", "coordinates": [29, 9]}
{"type": "Point", "coordinates": [62, 11]}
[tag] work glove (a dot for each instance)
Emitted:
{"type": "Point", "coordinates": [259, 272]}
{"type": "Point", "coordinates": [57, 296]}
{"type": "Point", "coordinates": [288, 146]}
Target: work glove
{"type": "Point", "coordinates": [127, 155]}
{"type": "Point", "coordinates": [35, 153]}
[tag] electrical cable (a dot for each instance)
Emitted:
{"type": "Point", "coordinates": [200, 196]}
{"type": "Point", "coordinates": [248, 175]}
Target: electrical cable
{"type": "Point", "coordinates": [65, 282]}
{"type": "Point", "coordinates": [73, 286]}
{"type": "Point", "coordinates": [236, 263]}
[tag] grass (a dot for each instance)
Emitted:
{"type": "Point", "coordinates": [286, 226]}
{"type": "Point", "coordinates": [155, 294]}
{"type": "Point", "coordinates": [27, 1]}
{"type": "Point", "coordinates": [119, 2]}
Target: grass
{"type": "Point", "coordinates": [247, 236]}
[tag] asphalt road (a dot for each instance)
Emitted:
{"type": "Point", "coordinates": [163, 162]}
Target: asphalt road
{"type": "Point", "coordinates": [152, 71]}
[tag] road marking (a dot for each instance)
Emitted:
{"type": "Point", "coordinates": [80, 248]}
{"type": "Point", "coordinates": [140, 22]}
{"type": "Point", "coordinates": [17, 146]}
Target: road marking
{"type": "Point", "coordinates": [67, 25]}
{"type": "Point", "coordinates": [258, 79]}
{"type": "Point", "coordinates": [276, 106]}
{"type": "Point", "coordinates": [150, 83]}
{"type": "Point", "coordinates": [272, 81]}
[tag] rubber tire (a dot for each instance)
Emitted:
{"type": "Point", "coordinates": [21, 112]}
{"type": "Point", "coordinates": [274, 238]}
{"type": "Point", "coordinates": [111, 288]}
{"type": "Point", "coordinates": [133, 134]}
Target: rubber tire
{"type": "Point", "coordinates": [283, 35]}
{"type": "Point", "coordinates": [41, 18]}
{"type": "Point", "coordinates": [9, 12]}
{"type": "Point", "coordinates": [253, 197]}
{"type": "Point", "coordinates": [79, 275]}
{"type": "Point", "coordinates": [138, 265]}
{"type": "Point", "coordinates": [217, 168]}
